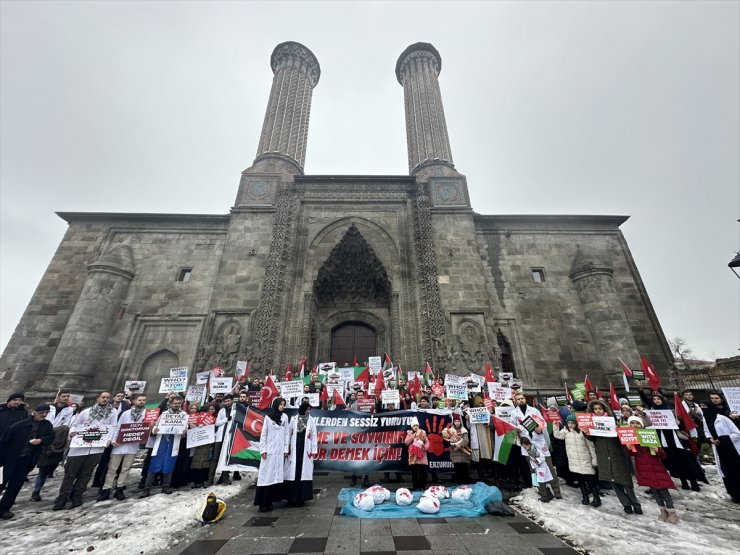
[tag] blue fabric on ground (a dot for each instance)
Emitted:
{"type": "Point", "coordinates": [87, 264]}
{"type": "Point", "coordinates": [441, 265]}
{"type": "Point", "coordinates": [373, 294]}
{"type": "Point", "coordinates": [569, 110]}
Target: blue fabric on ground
{"type": "Point", "coordinates": [481, 495]}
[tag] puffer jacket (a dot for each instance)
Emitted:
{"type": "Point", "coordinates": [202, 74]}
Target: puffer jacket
{"type": "Point", "coordinates": [581, 452]}
{"type": "Point", "coordinates": [649, 469]}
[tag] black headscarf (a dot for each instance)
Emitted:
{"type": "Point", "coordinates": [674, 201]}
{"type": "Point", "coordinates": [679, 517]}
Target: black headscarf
{"type": "Point", "coordinates": [274, 413]}
{"type": "Point", "coordinates": [305, 405]}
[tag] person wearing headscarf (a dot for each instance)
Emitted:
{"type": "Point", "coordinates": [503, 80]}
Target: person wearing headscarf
{"type": "Point", "coordinates": [459, 440]}
{"type": "Point", "coordinates": [299, 466]}
{"type": "Point", "coordinates": [722, 430]}
{"type": "Point", "coordinates": [274, 450]}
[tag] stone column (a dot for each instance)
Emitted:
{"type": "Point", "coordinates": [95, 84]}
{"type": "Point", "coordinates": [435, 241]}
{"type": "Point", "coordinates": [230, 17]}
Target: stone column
{"type": "Point", "coordinates": [426, 130]}
{"type": "Point", "coordinates": [285, 128]}
{"type": "Point", "coordinates": [608, 323]}
{"type": "Point", "coordinates": [81, 345]}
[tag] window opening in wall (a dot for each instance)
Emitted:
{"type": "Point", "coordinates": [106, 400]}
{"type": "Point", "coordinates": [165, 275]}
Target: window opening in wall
{"type": "Point", "coordinates": [184, 274]}
{"type": "Point", "coordinates": [538, 274]}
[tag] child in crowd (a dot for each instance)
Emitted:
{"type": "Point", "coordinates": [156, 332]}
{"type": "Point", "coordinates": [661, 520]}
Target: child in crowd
{"type": "Point", "coordinates": [450, 435]}
{"type": "Point", "coordinates": [538, 465]}
{"type": "Point", "coordinates": [581, 459]}
{"type": "Point", "coordinates": [651, 473]}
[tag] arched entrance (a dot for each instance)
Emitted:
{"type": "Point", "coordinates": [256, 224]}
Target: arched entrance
{"type": "Point", "coordinates": [350, 340]}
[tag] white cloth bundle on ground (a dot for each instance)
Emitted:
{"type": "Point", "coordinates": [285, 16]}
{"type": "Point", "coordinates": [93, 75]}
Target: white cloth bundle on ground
{"type": "Point", "coordinates": [404, 497]}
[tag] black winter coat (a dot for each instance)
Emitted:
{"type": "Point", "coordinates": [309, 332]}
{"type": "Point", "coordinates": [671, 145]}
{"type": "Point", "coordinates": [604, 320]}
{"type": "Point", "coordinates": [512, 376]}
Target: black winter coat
{"type": "Point", "coordinates": [16, 438]}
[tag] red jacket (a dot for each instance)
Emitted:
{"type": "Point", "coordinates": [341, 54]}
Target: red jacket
{"type": "Point", "coordinates": [649, 470]}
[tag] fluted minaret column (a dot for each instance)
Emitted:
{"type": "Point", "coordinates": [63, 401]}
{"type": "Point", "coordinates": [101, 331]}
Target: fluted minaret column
{"type": "Point", "coordinates": [285, 129]}
{"type": "Point", "coordinates": [426, 130]}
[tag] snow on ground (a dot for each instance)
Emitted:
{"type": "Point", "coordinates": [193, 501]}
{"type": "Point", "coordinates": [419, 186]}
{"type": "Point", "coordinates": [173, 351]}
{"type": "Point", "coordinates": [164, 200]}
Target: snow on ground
{"type": "Point", "coordinates": [134, 526]}
{"type": "Point", "coordinates": [708, 520]}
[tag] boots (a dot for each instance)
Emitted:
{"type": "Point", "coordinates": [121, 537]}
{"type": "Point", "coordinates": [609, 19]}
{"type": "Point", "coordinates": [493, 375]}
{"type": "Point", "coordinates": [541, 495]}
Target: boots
{"type": "Point", "coordinates": [237, 476]}
{"type": "Point", "coordinates": [77, 501]}
{"type": "Point", "coordinates": [695, 485]}
{"type": "Point", "coordinates": [353, 482]}
{"type": "Point", "coordinates": [638, 509]}
{"type": "Point", "coordinates": [663, 514]}
{"type": "Point", "coordinates": [35, 496]}
{"type": "Point", "coordinates": [546, 495]}
{"type": "Point", "coordinates": [597, 499]}
{"type": "Point", "coordinates": [119, 494]}
{"type": "Point", "coordinates": [59, 503]}
{"type": "Point", "coordinates": [104, 495]}
{"type": "Point", "coordinates": [672, 516]}
{"type": "Point", "coordinates": [365, 481]}
{"type": "Point", "coordinates": [146, 492]}
{"type": "Point", "coordinates": [166, 490]}
{"type": "Point", "coordinates": [584, 494]}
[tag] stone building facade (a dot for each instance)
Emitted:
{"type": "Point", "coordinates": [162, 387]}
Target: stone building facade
{"type": "Point", "coordinates": [332, 266]}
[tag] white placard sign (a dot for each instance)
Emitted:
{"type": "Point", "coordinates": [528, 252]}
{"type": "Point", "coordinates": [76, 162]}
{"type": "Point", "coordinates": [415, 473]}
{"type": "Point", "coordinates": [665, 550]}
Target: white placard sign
{"type": "Point", "coordinates": [195, 393]}
{"type": "Point", "coordinates": [346, 374]}
{"type": "Point", "coordinates": [202, 377]}
{"type": "Point", "coordinates": [452, 379]}
{"type": "Point", "coordinates": [498, 392]}
{"type": "Point", "coordinates": [172, 423]}
{"type": "Point", "coordinates": [134, 387]}
{"type": "Point", "coordinates": [76, 398]}
{"type": "Point", "coordinates": [479, 415]}
{"type": "Point", "coordinates": [375, 364]}
{"type": "Point", "coordinates": [411, 374]}
{"type": "Point", "coordinates": [241, 368]}
{"type": "Point", "coordinates": [604, 426]}
{"type": "Point", "coordinates": [371, 388]}
{"type": "Point", "coordinates": [325, 367]}
{"type": "Point", "coordinates": [173, 385]}
{"type": "Point", "coordinates": [93, 435]}
{"type": "Point", "coordinates": [732, 395]}
{"type": "Point", "coordinates": [456, 391]}
{"type": "Point", "coordinates": [291, 389]}
{"type": "Point", "coordinates": [330, 387]}
{"type": "Point", "coordinates": [313, 398]}
{"type": "Point", "coordinates": [506, 377]}
{"type": "Point", "coordinates": [221, 385]}
{"type": "Point", "coordinates": [390, 397]}
{"type": "Point", "coordinates": [202, 435]}
{"type": "Point", "coordinates": [178, 372]}
{"type": "Point", "coordinates": [662, 419]}
{"type": "Point", "coordinates": [504, 413]}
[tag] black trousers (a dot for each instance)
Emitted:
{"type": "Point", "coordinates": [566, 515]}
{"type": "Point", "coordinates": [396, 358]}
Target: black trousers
{"type": "Point", "coordinates": [418, 476]}
{"type": "Point", "coordinates": [77, 474]}
{"type": "Point", "coordinates": [14, 483]}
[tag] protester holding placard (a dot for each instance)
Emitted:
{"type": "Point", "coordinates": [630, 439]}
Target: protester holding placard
{"type": "Point", "coordinates": [123, 454]}
{"type": "Point", "coordinates": [613, 464]}
{"type": "Point", "coordinates": [540, 469]}
{"type": "Point", "coordinates": [166, 445]}
{"type": "Point", "coordinates": [582, 460]}
{"type": "Point", "coordinates": [723, 433]}
{"type": "Point", "coordinates": [202, 456]}
{"type": "Point", "coordinates": [92, 431]}
{"type": "Point", "coordinates": [223, 422]}
{"type": "Point", "coordinates": [651, 473]}
{"type": "Point", "coordinates": [679, 459]}
{"type": "Point", "coordinates": [274, 449]}
{"type": "Point", "coordinates": [299, 466]}
{"type": "Point", "coordinates": [418, 445]}
{"type": "Point", "coordinates": [459, 439]}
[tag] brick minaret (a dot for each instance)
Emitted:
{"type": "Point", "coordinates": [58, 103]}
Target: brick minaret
{"type": "Point", "coordinates": [284, 131]}
{"type": "Point", "coordinates": [426, 131]}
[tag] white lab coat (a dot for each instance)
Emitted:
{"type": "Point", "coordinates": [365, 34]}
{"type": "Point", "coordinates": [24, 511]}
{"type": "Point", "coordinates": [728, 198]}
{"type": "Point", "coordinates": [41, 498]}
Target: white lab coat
{"type": "Point", "coordinates": [223, 422]}
{"type": "Point", "coordinates": [158, 439]}
{"type": "Point", "coordinates": [82, 421]}
{"type": "Point", "coordinates": [60, 418]}
{"type": "Point", "coordinates": [275, 441]}
{"type": "Point", "coordinates": [126, 448]}
{"type": "Point", "coordinates": [542, 441]}
{"type": "Point", "coordinates": [310, 447]}
{"type": "Point", "coordinates": [724, 427]}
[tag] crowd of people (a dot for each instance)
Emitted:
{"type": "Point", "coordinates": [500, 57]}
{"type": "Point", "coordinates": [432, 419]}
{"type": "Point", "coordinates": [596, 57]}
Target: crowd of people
{"type": "Point", "coordinates": [593, 464]}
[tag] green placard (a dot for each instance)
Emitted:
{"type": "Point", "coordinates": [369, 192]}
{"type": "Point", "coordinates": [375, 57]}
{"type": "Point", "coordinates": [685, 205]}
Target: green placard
{"type": "Point", "coordinates": [562, 400]}
{"type": "Point", "coordinates": [634, 400]}
{"type": "Point", "coordinates": [648, 438]}
{"type": "Point", "coordinates": [578, 392]}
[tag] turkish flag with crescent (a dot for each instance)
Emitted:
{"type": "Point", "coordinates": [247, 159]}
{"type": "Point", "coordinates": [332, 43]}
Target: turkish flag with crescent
{"type": "Point", "coordinates": [253, 422]}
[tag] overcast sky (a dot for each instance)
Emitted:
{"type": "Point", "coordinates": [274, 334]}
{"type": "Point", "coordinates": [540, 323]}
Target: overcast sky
{"type": "Point", "coordinates": [552, 108]}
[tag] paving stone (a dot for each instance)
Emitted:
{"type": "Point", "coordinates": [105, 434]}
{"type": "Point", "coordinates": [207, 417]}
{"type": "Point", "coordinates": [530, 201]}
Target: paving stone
{"type": "Point", "coordinates": [527, 528]}
{"type": "Point", "coordinates": [559, 551]}
{"type": "Point", "coordinates": [437, 529]}
{"type": "Point", "coordinates": [308, 545]}
{"type": "Point", "coordinates": [261, 521]}
{"type": "Point", "coordinates": [377, 543]}
{"type": "Point", "coordinates": [410, 543]}
{"type": "Point", "coordinates": [272, 545]}
{"type": "Point", "coordinates": [203, 547]}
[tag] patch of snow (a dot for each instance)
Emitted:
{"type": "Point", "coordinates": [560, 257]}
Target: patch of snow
{"type": "Point", "coordinates": [708, 520]}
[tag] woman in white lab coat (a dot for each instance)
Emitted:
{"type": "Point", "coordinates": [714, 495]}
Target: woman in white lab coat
{"type": "Point", "coordinates": [299, 466]}
{"type": "Point", "coordinates": [274, 450]}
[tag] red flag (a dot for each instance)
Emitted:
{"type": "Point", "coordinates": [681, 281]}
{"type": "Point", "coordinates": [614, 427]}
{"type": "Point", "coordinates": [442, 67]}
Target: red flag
{"type": "Point", "coordinates": [681, 413]}
{"type": "Point", "coordinates": [626, 373]}
{"type": "Point", "coordinates": [652, 376]}
{"type": "Point", "coordinates": [267, 394]}
{"type": "Point", "coordinates": [489, 374]}
{"type": "Point", "coordinates": [416, 382]}
{"type": "Point", "coordinates": [567, 393]}
{"type": "Point", "coordinates": [324, 396]}
{"type": "Point", "coordinates": [354, 363]}
{"type": "Point", "coordinates": [288, 374]}
{"type": "Point", "coordinates": [337, 399]}
{"type": "Point", "coordinates": [253, 422]}
{"type": "Point", "coordinates": [587, 385]}
{"type": "Point", "coordinates": [302, 366]}
{"type": "Point", "coordinates": [599, 396]}
{"type": "Point", "coordinates": [613, 400]}
{"type": "Point", "coordinates": [364, 377]}
{"type": "Point", "coordinates": [315, 369]}
{"type": "Point", "coordinates": [379, 384]}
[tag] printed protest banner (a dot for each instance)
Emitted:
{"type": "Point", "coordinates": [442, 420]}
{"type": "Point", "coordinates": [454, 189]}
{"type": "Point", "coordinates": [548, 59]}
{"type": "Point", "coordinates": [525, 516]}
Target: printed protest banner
{"type": "Point", "coordinates": [529, 423]}
{"type": "Point", "coordinates": [203, 435]}
{"type": "Point", "coordinates": [438, 390]}
{"type": "Point", "coordinates": [150, 415]}
{"type": "Point", "coordinates": [326, 367]}
{"type": "Point", "coordinates": [371, 388]}
{"type": "Point", "coordinates": [313, 398]}
{"type": "Point", "coordinates": [648, 438]}
{"type": "Point", "coordinates": [551, 415]}
{"type": "Point", "coordinates": [172, 423]}
{"type": "Point", "coordinates": [222, 385]}
{"type": "Point", "coordinates": [457, 391]}
{"type": "Point", "coordinates": [347, 374]}
{"type": "Point", "coordinates": [578, 392]}
{"type": "Point", "coordinates": [94, 435]}
{"type": "Point", "coordinates": [76, 398]}
{"type": "Point", "coordinates": [516, 386]}
{"type": "Point", "coordinates": [375, 364]}
{"type": "Point", "coordinates": [201, 419]}
{"type": "Point", "coordinates": [638, 375]}
{"type": "Point", "coordinates": [178, 372]}
{"type": "Point", "coordinates": [627, 435]}
{"type": "Point", "coordinates": [348, 441]}
{"type": "Point", "coordinates": [479, 415]}
{"type": "Point", "coordinates": [291, 389]}
{"type": "Point", "coordinates": [195, 393]}
{"type": "Point", "coordinates": [390, 396]}
{"type": "Point", "coordinates": [134, 387]}
{"type": "Point", "coordinates": [366, 405]}
{"type": "Point", "coordinates": [732, 395]}
{"type": "Point", "coordinates": [488, 403]}
{"type": "Point", "coordinates": [662, 419]}
{"type": "Point", "coordinates": [504, 413]}
{"type": "Point", "coordinates": [202, 377]}
{"type": "Point", "coordinates": [241, 368]}
{"type": "Point", "coordinates": [498, 392]}
{"type": "Point", "coordinates": [506, 378]}
{"type": "Point", "coordinates": [173, 385]}
{"type": "Point", "coordinates": [254, 398]}
{"type": "Point", "coordinates": [134, 432]}
{"type": "Point", "coordinates": [603, 426]}
{"type": "Point", "coordinates": [634, 400]}
{"type": "Point", "coordinates": [452, 379]}
{"type": "Point", "coordinates": [331, 387]}
{"type": "Point", "coordinates": [561, 400]}
{"type": "Point", "coordinates": [584, 421]}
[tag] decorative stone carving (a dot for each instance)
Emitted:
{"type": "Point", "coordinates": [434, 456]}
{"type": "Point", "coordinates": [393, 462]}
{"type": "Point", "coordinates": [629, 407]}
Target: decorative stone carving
{"type": "Point", "coordinates": [352, 273]}
{"type": "Point", "coordinates": [295, 55]}
{"type": "Point", "coordinates": [228, 341]}
{"type": "Point", "coordinates": [471, 345]}
{"type": "Point", "coordinates": [257, 190]}
{"type": "Point", "coordinates": [449, 192]}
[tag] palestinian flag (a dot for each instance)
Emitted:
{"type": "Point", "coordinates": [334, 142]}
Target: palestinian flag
{"type": "Point", "coordinates": [245, 445]}
{"type": "Point", "coordinates": [504, 437]}
{"type": "Point", "coordinates": [428, 375]}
